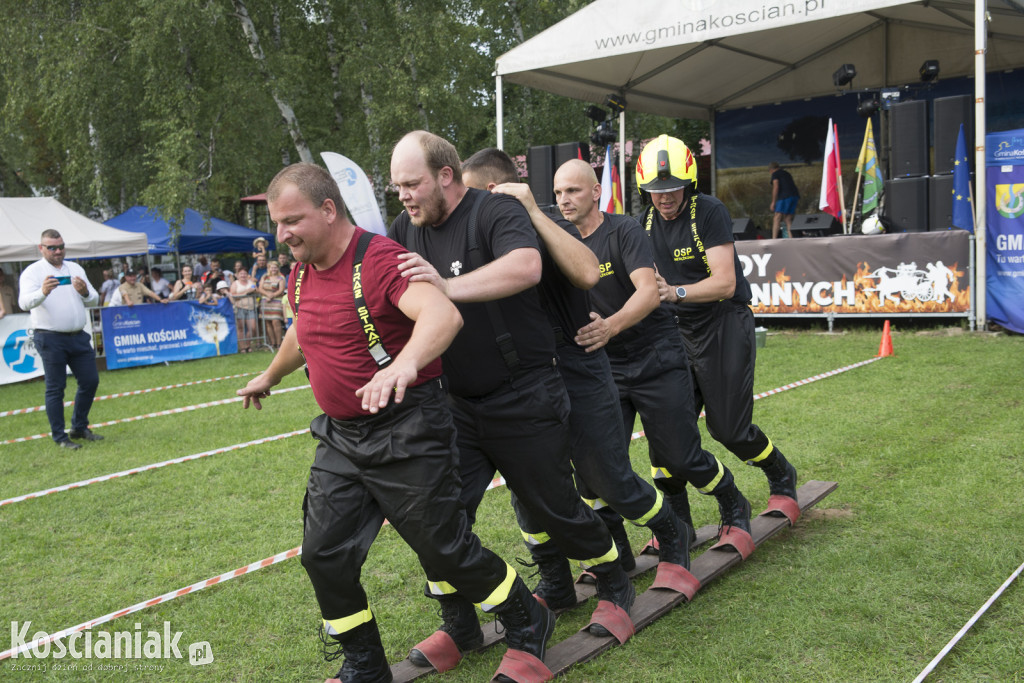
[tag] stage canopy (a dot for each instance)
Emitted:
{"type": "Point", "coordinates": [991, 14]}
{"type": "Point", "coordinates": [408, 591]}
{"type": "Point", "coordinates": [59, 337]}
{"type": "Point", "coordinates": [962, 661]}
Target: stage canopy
{"type": "Point", "coordinates": [199, 235]}
{"type": "Point", "coordinates": [23, 219]}
{"type": "Point", "coordinates": [690, 58]}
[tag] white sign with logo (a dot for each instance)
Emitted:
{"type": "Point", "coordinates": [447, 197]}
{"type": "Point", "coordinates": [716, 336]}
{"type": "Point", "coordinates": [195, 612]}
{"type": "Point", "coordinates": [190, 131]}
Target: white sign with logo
{"type": "Point", "coordinates": [20, 360]}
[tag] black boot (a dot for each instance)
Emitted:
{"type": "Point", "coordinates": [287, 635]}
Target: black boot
{"type": "Point", "coordinates": [673, 537]}
{"type": "Point", "coordinates": [732, 506]}
{"type": "Point", "coordinates": [780, 473]}
{"type": "Point", "coordinates": [680, 503]}
{"type": "Point", "coordinates": [613, 585]}
{"type": "Point", "coordinates": [556, 586]}
{"type": "Point", "coordinates": [365, 661]}
{"type": "Point", "coordinates": [460, 622]}
{"type": "Point", "coordinates": [528, 624]}
{"type": "Point", "coordinates": [613, 521]}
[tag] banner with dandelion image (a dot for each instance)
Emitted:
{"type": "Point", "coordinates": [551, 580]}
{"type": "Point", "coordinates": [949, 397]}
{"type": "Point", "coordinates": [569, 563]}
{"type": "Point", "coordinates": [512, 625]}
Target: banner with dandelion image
{"type": "Point", "coordinates": [154, 333]}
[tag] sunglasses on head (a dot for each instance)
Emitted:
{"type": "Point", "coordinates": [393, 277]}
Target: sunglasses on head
{"type": "Point", "coordinates": [54, 247]}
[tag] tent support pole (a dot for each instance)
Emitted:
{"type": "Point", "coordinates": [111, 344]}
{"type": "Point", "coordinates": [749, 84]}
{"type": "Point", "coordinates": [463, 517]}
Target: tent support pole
{"type": "Point", "coordinates": [623, 181]}
{"type": "Point", "coordinates": [714, 166]}
{"type": "Point", "coordinates": [981, 183]}
{"type": "Point", "coordinates": [500, 126]}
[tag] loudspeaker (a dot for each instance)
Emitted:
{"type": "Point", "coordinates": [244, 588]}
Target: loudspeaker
{"type": "Point", "coordinates": [949, 113]}
{"type": "Point", "coordinates": [564, 151]}
{"type": "Point", "coordinates": [908, 131]}
{"type": "Point", "coordinates": [906, 204]}
{"type": "Point", "coordinates": [540, 169]}
{"type": "Point", "coordinates": [940, 201]}
{"type": "Point", "coordinates": [814, 225]}
{"type": "Point", "coordinates": [743, 229]}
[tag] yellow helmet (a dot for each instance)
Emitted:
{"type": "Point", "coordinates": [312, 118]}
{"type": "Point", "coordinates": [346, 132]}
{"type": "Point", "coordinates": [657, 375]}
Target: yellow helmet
{"type": "Point", "coordinates": [666, 165]}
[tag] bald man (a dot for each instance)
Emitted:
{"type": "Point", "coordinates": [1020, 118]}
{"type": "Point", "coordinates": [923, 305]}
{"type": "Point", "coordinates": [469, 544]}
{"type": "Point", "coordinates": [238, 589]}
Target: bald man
{"type": "Point", "coordinates": [646, 353]}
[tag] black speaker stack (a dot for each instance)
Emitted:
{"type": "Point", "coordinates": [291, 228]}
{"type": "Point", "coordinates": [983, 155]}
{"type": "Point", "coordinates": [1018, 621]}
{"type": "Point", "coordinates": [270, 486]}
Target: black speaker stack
{"type": "Point", "coordinates": [916, 201]}
{"type": "Point", "coordinates": [541, 163]}
{"type": "Point", "coordinates": [815, 225]}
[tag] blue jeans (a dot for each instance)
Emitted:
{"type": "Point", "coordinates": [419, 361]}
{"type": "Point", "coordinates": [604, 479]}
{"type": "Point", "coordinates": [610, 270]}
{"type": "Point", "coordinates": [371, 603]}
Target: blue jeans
{"type": "Point", "coordinates": [59, 351]}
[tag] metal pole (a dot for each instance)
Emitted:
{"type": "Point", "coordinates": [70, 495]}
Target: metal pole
{"type": "Point", "coordinates": [981, 193]}
{"type": "Point", "coordinates": [500, 127]}
{"type": "Point", "coordinates": [622, 157]}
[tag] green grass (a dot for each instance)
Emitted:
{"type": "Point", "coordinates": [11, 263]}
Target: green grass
{"type": "Point", "coordinates": [924, 527]}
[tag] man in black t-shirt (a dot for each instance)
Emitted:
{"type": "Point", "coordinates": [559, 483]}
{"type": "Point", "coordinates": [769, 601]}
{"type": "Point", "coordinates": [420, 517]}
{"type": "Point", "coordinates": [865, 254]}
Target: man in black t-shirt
{"type": "Point", "coordinates": [700, 278]}
{"type": "Point", "coordinates": [785, 196]}
{"type": "Point", "coordinates": [600, 452]}
{"type": "Point", "coordinates": [646, 353]}
{"type": "Point", "coordinates": [509, 403]}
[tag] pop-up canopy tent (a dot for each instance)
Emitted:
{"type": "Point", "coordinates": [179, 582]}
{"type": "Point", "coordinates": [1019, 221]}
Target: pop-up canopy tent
{"type": "Point", "coordinates": [198, 235]}
{"type": "Point", "coordinates": [23, 219]}
{"type": "Point", "coordinates": [692, 58]}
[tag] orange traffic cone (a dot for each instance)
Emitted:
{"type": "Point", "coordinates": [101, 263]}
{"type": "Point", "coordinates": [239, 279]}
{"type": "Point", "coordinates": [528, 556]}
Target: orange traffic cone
{"type": "Point", "coordinates": [885, 348]}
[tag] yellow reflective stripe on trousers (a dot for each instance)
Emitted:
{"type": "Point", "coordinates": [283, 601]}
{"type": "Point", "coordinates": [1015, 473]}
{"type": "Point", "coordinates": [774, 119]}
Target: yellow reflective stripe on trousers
{"type": "Point", "coordinates": [660, 473]}
{"type": "Point", "coordinates": [337, 626]}
{"type": "Point", "coordinates": [714, 482]}
{"type": "Point", "coordinates": [764, 454]}
{"type": "Point", "coordinates": [595, 503]}
{"type": "Point", "coordinates": [440, 588]}
{"type": "Point", "coordinates": [535, 539]}
{"type": "Point", "coordinates": [501, 593]}
{"type": "Point", "coordinates": [609, 556]}
{"type": "Point", "coordinates": [655, 509]}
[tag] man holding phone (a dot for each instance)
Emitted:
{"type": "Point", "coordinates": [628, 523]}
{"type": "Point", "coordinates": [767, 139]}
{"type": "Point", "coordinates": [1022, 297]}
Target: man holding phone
{"type": "Point", "coordinates": [55, 293]}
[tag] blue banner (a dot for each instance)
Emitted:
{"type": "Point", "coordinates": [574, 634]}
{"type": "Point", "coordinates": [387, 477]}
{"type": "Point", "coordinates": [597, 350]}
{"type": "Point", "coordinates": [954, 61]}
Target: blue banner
{"type": "Point", "coordinates": [153, 333]}
{"type": "Point", "coordinates": [1004, 261]}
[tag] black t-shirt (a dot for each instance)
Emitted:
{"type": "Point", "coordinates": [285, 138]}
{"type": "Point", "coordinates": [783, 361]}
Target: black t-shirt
{"type": "Point", "coordinates": [787, 188]}
{"type": "Point", "coordinates": [567, 305]}
{"type": "Point", "coordinates": [679, 257]}
{"type": "Point", "coordinates": [473, 363]}
{"type": "Point", "coordinates": [621, 247]}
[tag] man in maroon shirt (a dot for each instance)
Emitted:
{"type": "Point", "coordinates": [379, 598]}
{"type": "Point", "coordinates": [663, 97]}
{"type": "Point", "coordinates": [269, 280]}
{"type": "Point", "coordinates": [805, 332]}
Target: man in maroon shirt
{"type": "Point", "coordinates": [367, 336]}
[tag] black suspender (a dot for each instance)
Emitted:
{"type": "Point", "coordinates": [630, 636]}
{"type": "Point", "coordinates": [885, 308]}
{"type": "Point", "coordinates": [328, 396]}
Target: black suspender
{"type": "Point", "coordinates": [374, 343]}
{"type": "Point", "coordinates": [693, 228]}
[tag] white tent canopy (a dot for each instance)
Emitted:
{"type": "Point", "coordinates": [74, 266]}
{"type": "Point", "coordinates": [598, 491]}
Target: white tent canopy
{"type": "Point", "coordinates": [689, 58]}
{"type": "Point", "coordinates": [23, 219]}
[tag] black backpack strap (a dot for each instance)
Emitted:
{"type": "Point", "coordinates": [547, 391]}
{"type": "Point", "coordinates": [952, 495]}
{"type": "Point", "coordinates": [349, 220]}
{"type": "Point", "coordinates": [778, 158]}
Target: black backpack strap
{"type": "Point", "coordinates": [476, 259]}
{"type": "Point", "coordinates": [374, 343]}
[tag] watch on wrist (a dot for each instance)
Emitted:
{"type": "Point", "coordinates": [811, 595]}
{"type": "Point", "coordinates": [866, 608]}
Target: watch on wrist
{"type": "Point", "coordinates": [680, 293]}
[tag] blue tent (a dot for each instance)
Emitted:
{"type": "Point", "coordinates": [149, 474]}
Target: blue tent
{"type": "Point", "coordinates": [199, 235]}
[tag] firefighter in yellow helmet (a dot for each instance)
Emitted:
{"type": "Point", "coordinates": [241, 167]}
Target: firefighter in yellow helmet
{"type": "Point", "coordinates": [700, 278]}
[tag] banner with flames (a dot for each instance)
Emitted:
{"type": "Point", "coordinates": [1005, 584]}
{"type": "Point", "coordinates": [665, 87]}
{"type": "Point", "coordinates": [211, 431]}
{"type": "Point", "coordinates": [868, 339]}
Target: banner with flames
{"type": "Point", "coordinates": [908, 273]}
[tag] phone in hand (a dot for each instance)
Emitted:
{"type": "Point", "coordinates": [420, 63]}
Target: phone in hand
{"type": "Point", "coordinates": [63, 279]}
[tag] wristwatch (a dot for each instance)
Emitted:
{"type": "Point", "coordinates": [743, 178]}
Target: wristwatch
{"type": "Point", "coordinates": [680, 293]}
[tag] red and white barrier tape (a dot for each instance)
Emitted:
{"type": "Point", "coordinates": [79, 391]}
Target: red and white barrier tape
{"type": "Point", "coordinates": [220, 578]}
{"type": "Point", "coordinates": [793, 385]}
{"type": "Point", "coordinates": [161, 413]}
{"type": "Point", "coordinates": [146, 468]}
{"type": "Point", "coordinates": [68, 404]}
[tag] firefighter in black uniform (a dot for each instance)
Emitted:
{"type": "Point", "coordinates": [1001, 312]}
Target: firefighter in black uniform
{"type": "Point", "coordinates": [604, 474]}
{"type": "Point", "coordinates": [645, 350]}
{"type": "Point", "coordinates": [509, 402]}
{"type": "Point", "coordinates": [700, 278]}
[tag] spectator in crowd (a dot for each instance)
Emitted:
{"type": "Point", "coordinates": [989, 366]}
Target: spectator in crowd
{"type": "Point", "coordinates": [109, 286]}
{"type": "Point", "coordinates": [260, 269]}
{"type": "Point", "coordinates": [243, 297]}
{"type": "Point", "coordinates": [785, 196]}
{"type": "Point", "coordinates": [220, 291]}
{"type": "Point", "coordinates": [207, 295]}
{"type": "Point", "coordinates": [201, 268]}
{"type": "Point", "coordinates": [187, 287]}
{"type": "Point", "coordinates": [7, 295]}
{"type": "Point", "coordinates": [115, 298]}
{"type": "Point", "coordinates": [158, 284]}
{"type": "Point", "coordinates": [134, 292]}
{"type": "Point", "coordinates": [259, 246]}
{"type": "Point", "coordinates": [272, 287]}
{"type": "Point", "coordinates": [215, 274]}
{"type": "Point", "coordinates": [56, 293]}
{"type": "Point", "coordinates": [284, 263]}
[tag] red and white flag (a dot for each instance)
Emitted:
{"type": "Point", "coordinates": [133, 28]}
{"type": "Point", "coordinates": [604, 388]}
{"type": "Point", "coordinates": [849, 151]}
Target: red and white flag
{"type": "Point", "coordinates": [829, 201]}
{"type": "Point", "coordinates": [611, 187]}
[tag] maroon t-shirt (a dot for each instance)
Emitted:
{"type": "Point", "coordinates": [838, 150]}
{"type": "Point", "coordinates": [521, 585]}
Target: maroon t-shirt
{"type": "Point", "coordinates": [331, 335]}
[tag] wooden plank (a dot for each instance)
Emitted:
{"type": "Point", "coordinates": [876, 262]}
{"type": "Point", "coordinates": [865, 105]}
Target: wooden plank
{"type": "Point", "coordinates": [405, 670]}
{"type": "Point", "coordinates": [654, 603]}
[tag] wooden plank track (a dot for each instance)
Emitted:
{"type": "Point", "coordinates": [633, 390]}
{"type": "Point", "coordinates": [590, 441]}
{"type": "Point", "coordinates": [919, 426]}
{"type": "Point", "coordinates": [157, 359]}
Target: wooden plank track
{"type": "Point", "coordinates": [407, 671]}
{"type": "Point", "coordinates": [654, 603]}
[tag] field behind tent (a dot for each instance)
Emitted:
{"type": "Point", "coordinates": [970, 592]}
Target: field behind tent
{"type": "Point", "coordinates": [925, 525]}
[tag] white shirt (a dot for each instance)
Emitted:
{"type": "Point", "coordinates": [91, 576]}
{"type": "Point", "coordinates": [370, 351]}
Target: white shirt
{"type": "Point", "coordinates": [64, 309]}
{"type": "Point", "coordinates": [161, 287]}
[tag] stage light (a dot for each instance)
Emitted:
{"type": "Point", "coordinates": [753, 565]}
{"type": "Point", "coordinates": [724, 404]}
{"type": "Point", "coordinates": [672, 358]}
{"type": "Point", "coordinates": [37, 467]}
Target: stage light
{"type": "Point", "coordinates": [595, 113]}
{"type": "Point", "coordinates": [929, 70]}
{"type": "Point", "coordinates": [868, 107]}
{"type": "Point", "coordinates": [617, 103]}
{"type": "Point", "coordinates": [844, 75]}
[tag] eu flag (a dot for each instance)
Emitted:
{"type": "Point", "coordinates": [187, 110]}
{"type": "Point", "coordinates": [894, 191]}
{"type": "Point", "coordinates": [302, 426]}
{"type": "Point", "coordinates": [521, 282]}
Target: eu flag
{"type": "Point", "coordinates": [963, 207]}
